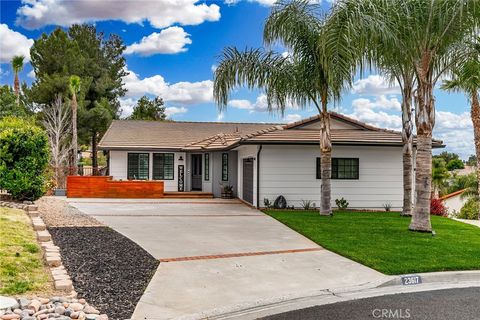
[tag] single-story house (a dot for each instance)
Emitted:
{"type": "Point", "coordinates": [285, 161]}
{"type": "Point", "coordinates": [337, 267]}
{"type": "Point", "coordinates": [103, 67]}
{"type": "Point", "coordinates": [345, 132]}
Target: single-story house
{"type": "Point", "coordinates": [261, 160]}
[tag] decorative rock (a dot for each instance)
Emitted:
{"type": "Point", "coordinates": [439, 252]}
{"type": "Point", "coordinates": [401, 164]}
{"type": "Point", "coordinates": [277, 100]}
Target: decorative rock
{"type": "Point", "coordinates": [91, 316]}
{"type": "Point", "coordinates": [76, 306]}
{"type": "Point", "coordinates": [60, 310]}
{"type": "Point", "coordinates": [18, 311]}
{"type": "Point", "coordinates": [103, 317]}
{"type": "Point", "coordinates": [44, 300]}
{"type": "Point", "coordinates": [81, 316]}
{"type": "Point", "coordinates": [11, 316]}
{"type": "Point", "coordinates": [74, 315]}
{"type": "Point", "coordinates": [23, 303]}
{"type": "Point", "coordinates": [82, 301]}
{"type": "Point", "coordinates": [91, 310]}
{"type": "Point", "coordinates": [42, 316]}
{"type": "Point", "coordinates": [29, 318]}
{"type": "Point", "coordinates": [34, 305]}
{"type": "Point", "coordinates": [280, 203]}
{"type": "Point", "coordinates": [6, 303]}
{"type": "Point", "coordinates": [43, 236]}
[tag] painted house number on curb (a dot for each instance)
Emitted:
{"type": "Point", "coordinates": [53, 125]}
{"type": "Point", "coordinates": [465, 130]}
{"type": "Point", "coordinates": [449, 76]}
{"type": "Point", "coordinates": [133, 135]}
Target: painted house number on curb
{"type": "Point", "coordinates": [411, 280]}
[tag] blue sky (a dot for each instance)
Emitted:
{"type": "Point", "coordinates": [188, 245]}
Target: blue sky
{"type": "Point", "coordinates": [174, 46]}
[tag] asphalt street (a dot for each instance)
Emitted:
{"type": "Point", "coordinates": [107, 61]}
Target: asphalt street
{"type": "Point", "coordinates": [449, 304]}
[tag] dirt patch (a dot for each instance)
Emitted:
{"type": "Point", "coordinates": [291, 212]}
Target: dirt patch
{"type": "Point", "coordinates": [107, 269]}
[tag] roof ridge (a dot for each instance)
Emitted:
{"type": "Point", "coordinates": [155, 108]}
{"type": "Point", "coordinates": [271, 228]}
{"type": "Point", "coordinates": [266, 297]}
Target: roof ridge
{"type": "Point", "coordinates": [209, 122]}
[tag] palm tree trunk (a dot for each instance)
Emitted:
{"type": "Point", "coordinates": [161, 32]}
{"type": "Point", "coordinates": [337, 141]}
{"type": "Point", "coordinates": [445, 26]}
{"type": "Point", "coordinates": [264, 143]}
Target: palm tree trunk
{"type": "Point", "coordinates": [475, 114]}
{"type": "Point", "coordinates": [407, 139]}
{"type": "Point", "coordinates": [16, 87]}
{"type": "Point", "coordinates": [425, 121]}
{"type": "Point", "coordinates": [325, 163]}
{"type": "Point", "coordinates": [74, 135]}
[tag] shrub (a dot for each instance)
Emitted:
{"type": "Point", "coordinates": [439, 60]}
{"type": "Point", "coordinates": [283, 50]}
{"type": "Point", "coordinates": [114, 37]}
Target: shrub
{"type": "Point", "coordinates": [387, 207]}
{"type": "Point", "coordinates": [308, 204]}
{"type": "Point", "coordinates": [437, 208]}
{"type": "Point", "coordinates": [455, 164]}
{"type": "Point", "coordinates": [469, 210]}
{"type": "Point", "coordinates": [341, 203]}
{"type": "Point", "coordinates": [23, 158]}
{"type": "Point", "coordinates": [267, 203]}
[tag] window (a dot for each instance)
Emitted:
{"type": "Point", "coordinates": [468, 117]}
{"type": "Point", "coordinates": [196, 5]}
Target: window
{"type": "Point", "coordinates": [163, 167]}
{"type": "Point", "coordinates": [342, 168]}
{"type": "Point", "coordinates": [207, 166]}
{"type": "Point", "coordinates": [137, 166]}
{"type": "Point", "coordinates": [224, 166]}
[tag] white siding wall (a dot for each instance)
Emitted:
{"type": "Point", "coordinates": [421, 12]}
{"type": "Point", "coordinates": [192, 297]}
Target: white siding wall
{"type": "Point", "coordinates": [247, 152]}
{"type": "Point", "coordinates": [118, 167]}
{"type": "Point", "coordinates": [454, 204]}
{"type": "Point", "coordinates": [290, 171]}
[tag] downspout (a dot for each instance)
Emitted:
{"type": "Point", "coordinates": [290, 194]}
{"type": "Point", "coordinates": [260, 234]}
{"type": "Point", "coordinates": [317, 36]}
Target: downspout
{"type": "Point", "coordinates": [258, 176]}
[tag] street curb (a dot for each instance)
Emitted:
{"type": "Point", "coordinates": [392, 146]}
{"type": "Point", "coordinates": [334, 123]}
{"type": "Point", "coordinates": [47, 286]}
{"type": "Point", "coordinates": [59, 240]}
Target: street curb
{"type": "Point", "coordinates": [430, 280]}
{"type": "Point", "coordinates": [437, 277]}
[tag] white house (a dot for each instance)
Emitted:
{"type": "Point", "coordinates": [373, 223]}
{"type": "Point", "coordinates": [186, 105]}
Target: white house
{"type": "Point", "coordinates": [261, 161]}
{"type": "Point", "coordinates": [454, 201]}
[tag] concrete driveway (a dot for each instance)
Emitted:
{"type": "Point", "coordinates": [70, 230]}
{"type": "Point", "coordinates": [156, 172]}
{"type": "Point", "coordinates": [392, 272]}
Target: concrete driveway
{"type": "Point", "coordinates": [219, 256]}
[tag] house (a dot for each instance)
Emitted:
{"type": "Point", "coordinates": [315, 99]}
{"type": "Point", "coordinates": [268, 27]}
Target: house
{"type": "Point", "coordinates": [261, 161]}
{"type": "Point", "coordinates": [454, 201]}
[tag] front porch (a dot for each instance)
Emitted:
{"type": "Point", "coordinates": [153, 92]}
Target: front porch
{"type": "Point", "coordinates": [187, 195]}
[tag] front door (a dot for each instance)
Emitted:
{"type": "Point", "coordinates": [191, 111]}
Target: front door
{"type": "Point", "coordinates": [196, 172]}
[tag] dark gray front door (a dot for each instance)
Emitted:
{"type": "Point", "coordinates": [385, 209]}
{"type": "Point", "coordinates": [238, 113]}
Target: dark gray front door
{"type": "Point", "coordinates": [197, 172]}
{"type": "Point", "coordinates": [248, 180]}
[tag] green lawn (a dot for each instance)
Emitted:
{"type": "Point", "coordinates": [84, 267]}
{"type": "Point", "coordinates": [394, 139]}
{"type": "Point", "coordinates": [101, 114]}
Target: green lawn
{"type": "Point", "coordinates": [21, 265]}
{"type": "Point", "coordinates": [382, 240]}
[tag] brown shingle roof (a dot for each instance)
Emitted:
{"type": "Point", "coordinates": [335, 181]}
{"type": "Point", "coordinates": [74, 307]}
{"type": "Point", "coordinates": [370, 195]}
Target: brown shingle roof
{"type": "Point", "coordinates": [137, 134]}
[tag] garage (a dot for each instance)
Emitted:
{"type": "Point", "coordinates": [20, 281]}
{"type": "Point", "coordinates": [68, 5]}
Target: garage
{"type": "Point", "coordinates": [247, 191]}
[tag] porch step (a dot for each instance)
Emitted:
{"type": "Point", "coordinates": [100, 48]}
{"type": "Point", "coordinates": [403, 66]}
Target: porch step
{"type": "Point", "coordinates": [188, 195]}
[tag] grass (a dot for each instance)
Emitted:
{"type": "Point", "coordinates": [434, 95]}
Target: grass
{"type": "Point", "coordinates": [382, 240]}
{"type": "Point", "coordinates": [21, 266]}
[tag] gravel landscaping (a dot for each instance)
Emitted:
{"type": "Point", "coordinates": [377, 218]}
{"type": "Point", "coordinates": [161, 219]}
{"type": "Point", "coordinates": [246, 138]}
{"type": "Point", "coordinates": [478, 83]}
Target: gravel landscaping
{"type": "Point", "coordinates": [107, 269]}
{"type": "Point", "coordinates": [57, 212]}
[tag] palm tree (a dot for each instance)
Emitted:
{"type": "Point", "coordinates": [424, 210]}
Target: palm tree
{"type": "Point", "coordinates": [74, 84]}
{"type": "Point", "coordinates": [466, 78]}
{"type": "Point", "coordinates": [17, 66]}
{"type": "Point", "coordinates": [312, 73]}
{"type": "Point", "coordinates": [440, 175]}
{"type": "Point", "coordinates": [426, 35]}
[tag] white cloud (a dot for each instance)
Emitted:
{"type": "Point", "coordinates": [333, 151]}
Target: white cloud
{"type": "Point", "coordinates": [185, 93]}
{"type": "Point", "coordinates": [292, 117]}
{"type": "Point", "coordinates": [380, 102]}
{"type": "Point", "coordinates": [167, 41]}
{"type": "Point", "coordinates": [160, 13]}
{"type": "Point", "coordinates": [171, 111]}
{"type": "Point", "coordinates": [260, 105]}
{"type": "Point", "coordinates": [375, 85]}
{"type": "Point", "coordinates": [454, 129]}
{"type": "Point", "coordinates": [12, 44]}
{"type": "Point", "coordinates": [220, 116]}
{"type": "Point", "coordinates": [127, 105]}
{"type": "Point", "coordinates": [31, 74]}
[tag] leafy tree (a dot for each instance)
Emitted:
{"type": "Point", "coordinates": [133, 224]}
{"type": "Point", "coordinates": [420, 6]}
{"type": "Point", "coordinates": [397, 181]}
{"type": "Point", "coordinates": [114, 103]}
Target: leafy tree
{"type": "Point", "coordinates": [9, 105]}
{"type": "Point", "coordinates": [460, 182]}
{"type": "Point", "coordinates": [315, 73]}
{"type": "Point", "coordinates": [100, 64]}
{"type": "Point", "coordinates": [447, 156]}
{"type": "Point", "coordinates": [472, 160]}
{"type": "Point", "coordinates": [440, 175]}
{"type": "Point", "coordinates": [147, 109]}
{"type": "Point", "coordinates": [17, 66]}
{"type": "Point", "coordinates": [23, 158]}
{"type": "Point", "coordinates": [455, 164]}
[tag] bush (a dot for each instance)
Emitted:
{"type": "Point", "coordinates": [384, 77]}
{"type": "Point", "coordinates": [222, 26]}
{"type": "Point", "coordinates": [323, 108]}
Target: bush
{"type": "Point", "coordinates": [437, 208]}
{"type": "Point", "coordinates": [23, 158]}
{"type": "Point", "coordinates": [469, 210]}
{"type": "Point", "coordinates": [455, 164]}
{"type": "Point", "coordinates": [341, 203]}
